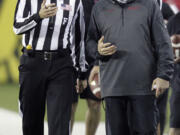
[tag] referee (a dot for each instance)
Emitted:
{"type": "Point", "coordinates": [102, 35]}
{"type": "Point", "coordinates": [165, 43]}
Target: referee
{"type": "Point", "coordinates": [48, 60]}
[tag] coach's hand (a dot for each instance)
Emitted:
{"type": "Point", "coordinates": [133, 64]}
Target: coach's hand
{"type": "Point", "coordinates": [160, 85]}
{"type": "Point", "coordinates": [106, 49]}
{"type": "Point", "coordinates": [81, 85]}
{"type": "Point", "coordinates": [47, 11]}
{"type": "Point", "coordinates": [177, 60]}
{"type": "Point", "coordinates": [94, 72]}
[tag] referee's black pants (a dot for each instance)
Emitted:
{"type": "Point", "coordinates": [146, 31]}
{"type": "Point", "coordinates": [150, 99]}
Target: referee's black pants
{"type": "Point", "coordinates": [45, 81]}
{"type": "Point", "coordinates": [131, 115]}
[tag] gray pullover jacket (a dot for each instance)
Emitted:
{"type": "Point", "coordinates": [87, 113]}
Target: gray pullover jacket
{"type": "Point", "coordinates": [143, 46]}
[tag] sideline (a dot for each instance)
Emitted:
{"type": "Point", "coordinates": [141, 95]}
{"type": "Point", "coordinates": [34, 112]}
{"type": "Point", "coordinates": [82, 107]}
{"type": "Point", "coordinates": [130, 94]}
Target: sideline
{"type": "Point", "coordinates": [10, 124]}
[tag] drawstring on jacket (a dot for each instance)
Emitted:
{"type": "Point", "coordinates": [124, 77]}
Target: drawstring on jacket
{"type": "Point", "coordinates": [122, 4]}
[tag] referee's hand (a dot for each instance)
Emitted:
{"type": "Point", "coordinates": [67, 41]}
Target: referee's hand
{"type": "Point", "coordinates": [81, 85]}
{"type": "Point", "coordinates": [47, 11]}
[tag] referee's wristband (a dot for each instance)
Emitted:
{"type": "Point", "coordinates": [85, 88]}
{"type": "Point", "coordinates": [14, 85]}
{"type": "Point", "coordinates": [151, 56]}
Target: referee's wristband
{"type": "Point", "coordinates": [37, 17]}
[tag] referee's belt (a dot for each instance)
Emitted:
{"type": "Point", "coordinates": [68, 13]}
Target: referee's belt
{"type": "Point", "coordinates": [46, 55]}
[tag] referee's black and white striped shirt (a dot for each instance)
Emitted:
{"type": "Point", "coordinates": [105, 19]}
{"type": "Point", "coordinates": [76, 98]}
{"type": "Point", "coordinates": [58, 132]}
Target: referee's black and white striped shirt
{"type": "Point", "coordinates": [45, 34]}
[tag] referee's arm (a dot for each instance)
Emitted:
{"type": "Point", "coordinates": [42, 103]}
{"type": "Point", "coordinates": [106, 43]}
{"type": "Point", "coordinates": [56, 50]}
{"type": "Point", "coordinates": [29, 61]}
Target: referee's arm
{"type": "Point", "coordinates": [82, 59]}
{"type": "Point", "coordinates": [23, 20]}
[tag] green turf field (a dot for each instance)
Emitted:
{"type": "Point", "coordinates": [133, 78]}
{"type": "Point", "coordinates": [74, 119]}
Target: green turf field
{"type": "Point", "coordinates": [9, 100]}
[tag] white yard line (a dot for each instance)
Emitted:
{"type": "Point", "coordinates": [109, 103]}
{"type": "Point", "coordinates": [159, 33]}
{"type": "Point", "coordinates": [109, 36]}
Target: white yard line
{"type": "Point", "coordinates": [10, 124]}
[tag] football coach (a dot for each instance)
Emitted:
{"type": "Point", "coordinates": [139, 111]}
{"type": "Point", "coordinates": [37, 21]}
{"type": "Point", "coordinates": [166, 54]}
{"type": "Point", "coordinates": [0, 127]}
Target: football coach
{"type": "Point", "coordinates": [136, 62]}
